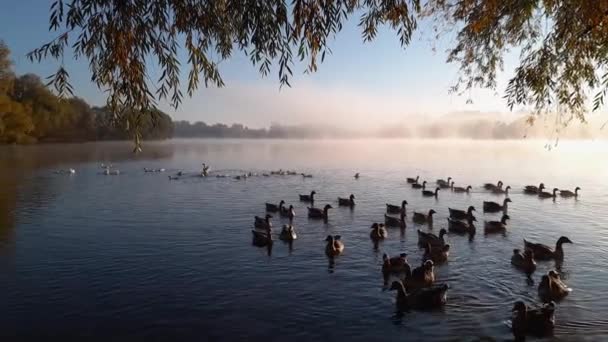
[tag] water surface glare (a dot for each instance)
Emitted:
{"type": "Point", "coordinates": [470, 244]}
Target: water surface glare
{"type": "Point", "coordinates": [139, 257]}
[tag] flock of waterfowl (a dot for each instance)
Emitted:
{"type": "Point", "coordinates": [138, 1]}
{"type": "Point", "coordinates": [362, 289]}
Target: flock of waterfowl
{"type": "Point", "coordinates": [416, 287]}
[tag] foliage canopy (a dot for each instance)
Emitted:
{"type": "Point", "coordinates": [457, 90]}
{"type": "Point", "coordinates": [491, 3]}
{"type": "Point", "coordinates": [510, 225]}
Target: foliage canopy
{"type": "Point", "coordinates": [564, 43]}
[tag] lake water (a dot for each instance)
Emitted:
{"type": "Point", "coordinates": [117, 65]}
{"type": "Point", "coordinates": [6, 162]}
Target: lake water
{"type": "Point", "coordinates": [140, 257]}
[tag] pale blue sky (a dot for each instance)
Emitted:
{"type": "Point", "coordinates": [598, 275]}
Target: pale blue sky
{"type": "Point", "coordinates": [357, 84]}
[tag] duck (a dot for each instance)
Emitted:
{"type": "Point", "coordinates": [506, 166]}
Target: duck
{"type": "Point", "coordinates": [262, 237]}
{"type": "Point", "coordinates": [442, 182]}
{"type": "Point", "coordinates": [497, 226]}
{"type": "Point", "coordinates": [544, 252]}
{"type": "Point", "coordinates": [288, 233]}
{"type": "Point", "coordinates": [568, 193]}
{"type": "Point", "coordinates": [436, 254]}
{"type": "Point", "coordinates": [419, 186]}
{"type": "Point", "coordinates": [263, 222]}
{"type": "Point", "coordinates": [334, 245]}
{"type": "Point", "coordinates": [429, 193]}
{"type": "Point", "coordinates": [304, 175]}
{"type": "Point", "coordinates": [173, 178]}
{"type": "Point", "coordinates": [544, 194]}
{"type": "Point", "coordinates": [308, 198]}
{"type": "Point", "coordinates": [458, 189]}
{"type": "Point", "coordinates": [461, 227]}
{"type": "Point", "coordinates": [524, 261]}
{"type": "Point", "coordinates": [114, 172]}
{"type": "Point", "coordinates": [492, 207]}
{"type": "Point", "coordinates": [395, 265]}
{"type": "Point", "coordinates": [274, 208]}
{"type": "Point", "coordinates": [180, 173]}
{"type": "Point", "coordinates": [490, 186]}
{"type": "Point", "coordinates": [318, 213]}
{"type": "Point", "coordinates": [551, 287]}
{"type": "Point", "coordinates": [148, 170]}
{"type": "Point", "coordinates": [422, 276]}
{"type": "Point", "coordinates": [421, 218]}
{"type": "Point", "coordinates": [501, 190]}
{"type": "Point", "coordinates": [391, 221]}
{"type": "Point", "coordinates": [525, 320]}
{"type": "Point", "coordinates": [432, 239]}
{"type": "Point", "coordinates": [458, 214]}
{"type": "Point", "coordinates": [378, 232]}
{"type": "Point", "coordinates": [533, 190]}
{"type": "Point", "coordinates": [413, 180]}
{"type": "Point", "coordinates": [357, 175]}
{"type": "Point", "coordinates": [288, 212]}
{"type": "Point", "coordinates": [421, 299]}
{"type": "Point", "coordinates": [347, 202]}
{"type": "Point", "coordinates": [205, 170]}
{"type": "Point", "coordinates": [395, 209]}
{"type": "Point", "coordinates": [446, 185]}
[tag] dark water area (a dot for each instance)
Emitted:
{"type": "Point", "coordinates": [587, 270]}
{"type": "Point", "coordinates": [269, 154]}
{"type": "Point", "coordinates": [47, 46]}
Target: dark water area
{"type": "Point", "coordinates": [137, 256]}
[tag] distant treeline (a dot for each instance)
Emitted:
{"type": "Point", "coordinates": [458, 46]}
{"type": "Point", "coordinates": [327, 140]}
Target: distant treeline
{"type": "Point", "coordinates": [30, 113]}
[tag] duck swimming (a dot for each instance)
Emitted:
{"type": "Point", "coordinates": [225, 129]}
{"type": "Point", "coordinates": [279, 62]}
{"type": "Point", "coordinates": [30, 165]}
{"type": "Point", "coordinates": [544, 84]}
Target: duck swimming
{"type": "Point", "coordinates": [273, 208]}
{"type": "Point", "coordinates": [421, 299]}
{"type": "Point", "coordinates": [502, 191]}
{"type": "Point", "coordinates": [318, 213]}
{"type": "Point", "coordinates": [262, 237]}
{"type": "Point", "coordinates": [544, 252]}
{"type": "Point", "coordinates": [432, 239]}
{"type": "Point", "coordinates": [419, 186]}
{"type": "Point", "coordinates": [524, 261]}
{"type": "Point", "coordinates": [533, 190]}
{"type": "Point", "coordinates": [568, 193]}
{"type": "Point", "coordinates": [436, 254]}
{"type": "Point", "coordinates": [395, 265]}
{"type": "Point", "coordinates": [422, 276]}
{"type": "Point", "coordinates": [490, 186]}
{"type": "Point", "coordinates": [334, 246]}
{"type": "Point", "coordinates": [492, 207]}
{"type": "Point", "coordinates": [544, 194]}
{"type": "Point", "coordinates": [357, 175]}
{"type": "Point", "coordinates": [413, 180]}
{"type": "Point", "coordinates": [497, 226]}
{"type": "Point", "coordinates": [458, 189]}
{"type": "Point", "coordinates": [391, 221]}
{"type": "Point", "coordinates": [461, 227]}
{"type": "Point", "coordinates": [378, 232]}
{"type": "Point", "coordinates": [304, 175]}
{"type": "Point", "coordinates": [288, 212]}
{"type": "Point", "coordinates": [347, 202]}
{"type": "Point", "coordinates": [446, 185]}
{"type": "Point", "coordinates": [288, 233]}
{"type": "Point", "coordinates": [263, 222]}
{"type": "Point", "coordinates": [308, 198]}
{"type": "Point", "coordinates": [429, 193]}
{"type": "Point", "coordinates": [526, 320]}
{"type": "Point", "coordinates": [443, 182]}
{"type": "Point", "coordinates": [421, 218]}
{"type": "Point", "coordinates": [395, 209]}
{"type": "Point", "coordinates": [552, 288]}
{"type": "Point", "coordinates": [458, 214]}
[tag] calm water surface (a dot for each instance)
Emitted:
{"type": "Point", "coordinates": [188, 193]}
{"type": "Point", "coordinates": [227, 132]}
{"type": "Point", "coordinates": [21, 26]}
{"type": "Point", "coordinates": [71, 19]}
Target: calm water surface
{"type": "Point", "coordinates": [139, 257]}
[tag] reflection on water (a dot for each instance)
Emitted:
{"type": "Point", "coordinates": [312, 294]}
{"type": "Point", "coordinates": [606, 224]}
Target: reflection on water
{"type": "Point", "coordinates": [137, 256]}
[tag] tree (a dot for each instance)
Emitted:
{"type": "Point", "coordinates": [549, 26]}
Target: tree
{"type": "Point", "coordinates": [564, 43]}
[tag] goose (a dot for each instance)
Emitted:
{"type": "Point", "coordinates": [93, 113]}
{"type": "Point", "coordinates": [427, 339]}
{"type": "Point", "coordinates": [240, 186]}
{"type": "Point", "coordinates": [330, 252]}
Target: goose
{"type": "Point", "coordinates": [458, 214]}
{"type": "Point", "coordinates": [357, 175]}
{"type": "Point", "coordinates": [378, 232]}
{"type": "Point", "coordinates": [334, 246]}
{"type": "Point", "coordinates": [429, 193]}
{"type": "Point", "coordinates": [501, 190]}
{"type": "Point", "coordinates": [497, 226]}
{"type": "Point", "coordinates": [544, 252]}
{"type": "Point", "coordinates": [292, 173]}
{"type": "Point", "coordinates": [419, 186]}
{"type": "Point", "coordinates": [527, 320]}
{"type": "Point", "coordinates": [318, 213]}
{"type": "Point", "coordinates": [544, 194]}
{"type": "Point", "coordinates": [458, 189]}
{"type": "Point", "coordinates": [446, 185]}
{"type": "Point", "coordinates": [288, 212]}
{"type": "Point", "coordinates": [391, 221]}
{"type": "Point", "coordinates": [288, 233]}
{"type": "Point", "coordinates": [461, 227]}
{"type": "Point", "coordinates": [413, 180]}
{"type": "Point", "coordinates": [420, 218]}
{"type": "Point", "coordinates": [533, 190]}
{"type": "Point", "coordinates": [395, 265]}
{"type": "Point", "coordinates": [524, 261]}
{"type": "Point", "coordinates": [308, 198]}
{"type": "Point", "coordinates": [273, 208]}
{"type": "Point", "coordinates": [421, 299]}
{"type": "Point", "coordinates": [442, 182]}
{"type": "Point", "coordinates": [432, 239]}
{"type": "Point", "coordinates": [347, 202]}
{"type": "Point", "coordinates": [490, 186]}
{"type": "Point", "coordinates": [421, 276]}
{"type": "Point", "coordinates": [304, 175]}
{"type": "Point", "coordinates": [551, 287]}
{"type": "Point", "coordinates": [262, 237]}
{"type": "Point", "coordinates": [263, 222]}
{"type": "Point", "coordinates": [568, 193]}
{"type": "Point", "coordinates": [436, 254]}
{"type": "Point", "coordinates": [395, 209]}
{"type": "Point", "coordinates": [493, 207]}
